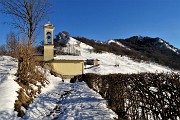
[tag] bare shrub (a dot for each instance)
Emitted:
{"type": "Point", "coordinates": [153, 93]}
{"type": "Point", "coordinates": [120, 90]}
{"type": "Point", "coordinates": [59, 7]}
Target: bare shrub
{"type": "Point", "coordinates": [29, 77]}
{"type": "Point", "coordinates": [4, 50]}
{"type": "Point", "coordinates": [12, 44]}
{"type": "Point", "coordinates": [141, 96]}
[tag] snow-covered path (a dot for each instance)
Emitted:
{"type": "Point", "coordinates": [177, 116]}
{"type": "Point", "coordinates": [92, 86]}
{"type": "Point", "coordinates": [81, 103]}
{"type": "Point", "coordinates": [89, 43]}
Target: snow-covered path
{"type": "Point", "coordinates": [8, 87]}
{"type": "Point", "coordinates": [85, 104]}
{"type": "Point", "coordinates": [68, 101]}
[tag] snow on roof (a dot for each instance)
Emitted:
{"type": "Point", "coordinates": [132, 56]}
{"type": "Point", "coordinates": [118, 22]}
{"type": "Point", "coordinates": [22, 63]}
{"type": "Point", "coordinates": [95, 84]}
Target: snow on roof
{"type": "Point", "coordinates": [48, 24]}
{"type": "Point", "coordinates": [68, 57]}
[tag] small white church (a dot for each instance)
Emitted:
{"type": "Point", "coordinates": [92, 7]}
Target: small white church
{"type": "Point", "coordinates": [65, 66]}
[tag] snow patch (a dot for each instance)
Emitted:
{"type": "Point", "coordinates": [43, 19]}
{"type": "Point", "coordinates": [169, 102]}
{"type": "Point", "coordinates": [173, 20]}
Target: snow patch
{"type": "Point", "coordinates": [160, 41]}
{"type": "Point", "coordinates": [173, 49]}
{"type": "Point", "coordinates": [154, 89]}
{"type": "Point", "coordinates": [118, 43]}
{"type": "Point", "coordinates": [167, 46]}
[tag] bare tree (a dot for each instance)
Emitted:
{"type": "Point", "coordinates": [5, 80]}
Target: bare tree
{"type": "Point", "coordinates": [27, 15]}
{"type": "Point", "coordinates": [12, 44]}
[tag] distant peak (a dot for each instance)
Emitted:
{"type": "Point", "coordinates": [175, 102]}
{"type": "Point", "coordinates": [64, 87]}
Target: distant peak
{"type": "Point", "coordinates": [140, 38]}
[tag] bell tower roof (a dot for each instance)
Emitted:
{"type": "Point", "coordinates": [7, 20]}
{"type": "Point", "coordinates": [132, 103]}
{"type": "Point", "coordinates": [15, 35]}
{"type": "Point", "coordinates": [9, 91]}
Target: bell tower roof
{"type": "Point", "coordinates": [48, 24]}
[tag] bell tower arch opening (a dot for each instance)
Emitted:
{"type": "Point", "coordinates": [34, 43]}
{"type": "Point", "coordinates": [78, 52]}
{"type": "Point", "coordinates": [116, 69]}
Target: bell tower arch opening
{"type": "Point", "coordinates": [48, 37]}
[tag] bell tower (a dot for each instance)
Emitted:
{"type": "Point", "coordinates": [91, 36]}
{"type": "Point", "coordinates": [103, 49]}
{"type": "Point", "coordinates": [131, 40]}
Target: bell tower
{"type": "Point", "coordinates": [48, 41]}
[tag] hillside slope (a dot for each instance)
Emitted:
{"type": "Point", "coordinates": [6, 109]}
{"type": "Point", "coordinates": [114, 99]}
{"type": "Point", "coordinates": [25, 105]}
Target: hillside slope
{"type": "Point", "coordinates": [139, 48]}
{"type": "Point", "coordinates": [108, 61]}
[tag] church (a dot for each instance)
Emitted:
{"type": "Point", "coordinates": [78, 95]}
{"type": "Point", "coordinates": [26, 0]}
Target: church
{"type": "Point", "coordinates": [65, 66]}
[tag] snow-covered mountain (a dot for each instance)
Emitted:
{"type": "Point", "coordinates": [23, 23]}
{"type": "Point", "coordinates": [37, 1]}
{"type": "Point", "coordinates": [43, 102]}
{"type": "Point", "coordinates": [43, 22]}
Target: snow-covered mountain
{"type": "Point", "coordinates": [108, 61]}
{"type": "Point", "coordinates": [140, 48]}
{"type": "Point", "coordinates": [154, 49]}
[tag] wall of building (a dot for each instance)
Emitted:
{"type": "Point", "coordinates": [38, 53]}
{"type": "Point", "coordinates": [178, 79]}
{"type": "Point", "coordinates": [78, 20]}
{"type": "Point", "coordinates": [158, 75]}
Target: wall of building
{"type": "Point", "coordinates": [67, 67]}
{"type": "Point", "coordinates": [48, 52]}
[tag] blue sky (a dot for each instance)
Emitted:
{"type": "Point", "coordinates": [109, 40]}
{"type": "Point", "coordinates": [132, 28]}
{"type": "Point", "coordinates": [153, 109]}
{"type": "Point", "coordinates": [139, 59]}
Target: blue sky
{"type": "Point", "coordinates": [108, 19]}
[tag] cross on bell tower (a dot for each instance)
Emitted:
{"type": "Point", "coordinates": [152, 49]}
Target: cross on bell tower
{"type": "Point", "coordinates": [48, 41]}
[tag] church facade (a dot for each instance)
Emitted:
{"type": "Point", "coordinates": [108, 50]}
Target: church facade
{"type": "Point", "coordinates": [65, 66]}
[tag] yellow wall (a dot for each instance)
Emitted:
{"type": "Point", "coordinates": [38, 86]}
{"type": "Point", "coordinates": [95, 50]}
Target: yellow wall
{"type": "Point", "coordinates": [68, 67]}
{"type": "Point", "coordinates": [48, 52]}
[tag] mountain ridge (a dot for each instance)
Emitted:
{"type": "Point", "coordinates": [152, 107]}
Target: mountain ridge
{"type": "Point", "coordinates": [153, 42]}
{"type": "Point", "coordinates": [139, 48]}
